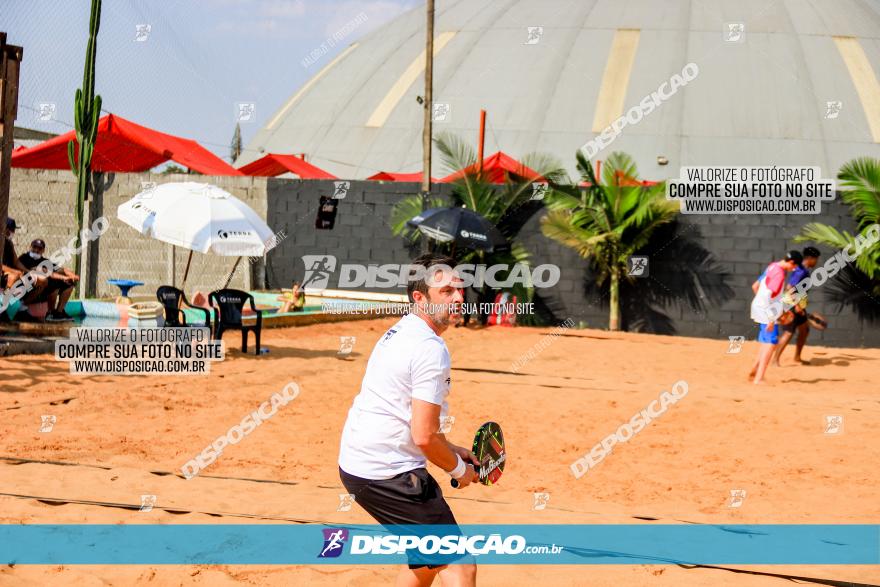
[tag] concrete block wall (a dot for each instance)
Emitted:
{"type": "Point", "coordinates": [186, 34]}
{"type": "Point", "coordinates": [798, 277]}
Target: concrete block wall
{"type": "Point", "coordinates": [361, 234]}
{"type": "Point", "coordinates": [741, 245]}
{"type": "Point", "coordinates": [43, 201]}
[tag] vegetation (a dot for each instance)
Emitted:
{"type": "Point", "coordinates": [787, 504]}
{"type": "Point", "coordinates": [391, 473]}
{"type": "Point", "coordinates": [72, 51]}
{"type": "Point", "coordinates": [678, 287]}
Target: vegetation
{"type": "Point", "coordinates": [508, 205]}
{"type": "Point", "coordinates": [86, 112]}
{"type": "Point", "coordinates": [856, 285]}
{"type": "Point", "coordinates": [607, 220]}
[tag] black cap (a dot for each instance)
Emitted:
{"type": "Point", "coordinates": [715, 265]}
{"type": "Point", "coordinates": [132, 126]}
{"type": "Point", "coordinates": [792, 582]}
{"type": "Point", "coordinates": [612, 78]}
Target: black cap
{"type": "Point", "coordinates": [795, 256]}
{"type": "Point", "coordinates": [10, 224]}
{"type": "Point", "coordinates": [812, 252]}
{"type": "Point", "coordinates": [38, 243]}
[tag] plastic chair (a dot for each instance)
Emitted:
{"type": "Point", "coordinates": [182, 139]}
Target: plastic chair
{"type": "Point", "coordinates": [228, 306]}
{"type": "Point", "coordinates": [170, 298]}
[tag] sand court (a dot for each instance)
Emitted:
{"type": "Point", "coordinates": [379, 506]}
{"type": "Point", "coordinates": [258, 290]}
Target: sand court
{"type": "Point", "coordinates": [116, 439]}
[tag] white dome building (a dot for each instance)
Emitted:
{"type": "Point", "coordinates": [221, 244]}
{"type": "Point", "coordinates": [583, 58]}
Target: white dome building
{"type": "Point", "coordinates": [780, 82]}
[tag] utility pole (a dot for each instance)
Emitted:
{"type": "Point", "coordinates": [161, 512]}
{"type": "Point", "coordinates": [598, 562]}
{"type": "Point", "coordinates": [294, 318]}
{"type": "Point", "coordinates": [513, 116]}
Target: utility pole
{"type": "Point", "coordinates": [481, 140]}
{"type": "Point", "coordinates": [429, 111]}
{"type": "Point", "coordinates": [10, 61]}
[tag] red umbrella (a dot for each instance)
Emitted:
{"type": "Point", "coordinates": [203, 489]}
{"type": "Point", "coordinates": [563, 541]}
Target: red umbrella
{"type": "Point", "coordinates": [125, 146]}
{"type": "Point", "coordinates": [496, 168]}
{"type": "Point", "coordinates": [275, 164]}
{"type": "Point", "coordinates": [388, 176]}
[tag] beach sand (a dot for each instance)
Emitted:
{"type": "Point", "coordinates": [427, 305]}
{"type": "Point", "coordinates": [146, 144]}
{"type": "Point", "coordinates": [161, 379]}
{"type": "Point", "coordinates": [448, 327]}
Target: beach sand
{"type": "Point", "coordinates": [726, 434]}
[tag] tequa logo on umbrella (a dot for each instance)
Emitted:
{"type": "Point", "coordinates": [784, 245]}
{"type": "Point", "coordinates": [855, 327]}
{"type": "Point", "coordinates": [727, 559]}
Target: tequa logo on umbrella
{"type": "Point", "coordinates": [227, 233]}
{"type": "Point", "coordinates": [334, 541]}
{"type": "Point", "coordinates": [461, 227]}
{"type": "Point", "coordinates": [474, 235]}
{"type": "Point", "coordinates": [139, 205]}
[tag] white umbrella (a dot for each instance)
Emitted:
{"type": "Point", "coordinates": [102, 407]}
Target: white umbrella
{"type": "Point", "coordinates": [199, 217]}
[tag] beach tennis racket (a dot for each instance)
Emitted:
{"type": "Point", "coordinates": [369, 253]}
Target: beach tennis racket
{"type": "Point", "coordinates": [489, 448]}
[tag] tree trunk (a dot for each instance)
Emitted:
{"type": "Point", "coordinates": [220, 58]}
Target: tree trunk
{"type": "Point", "coordinates": [82, 190]}
{"type": "Point", "coordinates": [614, 315]}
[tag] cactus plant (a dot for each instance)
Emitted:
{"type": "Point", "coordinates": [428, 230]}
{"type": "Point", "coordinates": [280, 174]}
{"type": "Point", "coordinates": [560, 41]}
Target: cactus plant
{"type": "Point", "coordinates": [86, 112]}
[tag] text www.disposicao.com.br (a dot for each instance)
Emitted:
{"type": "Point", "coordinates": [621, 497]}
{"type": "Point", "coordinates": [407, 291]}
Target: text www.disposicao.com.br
{"type": "Point", "coordinates": [746, 206]}
{"type": "Point", "coordinates": [122, 367]}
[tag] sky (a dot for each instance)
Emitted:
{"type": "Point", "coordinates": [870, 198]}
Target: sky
{"type": "Point", "coordinates": [188, 69]}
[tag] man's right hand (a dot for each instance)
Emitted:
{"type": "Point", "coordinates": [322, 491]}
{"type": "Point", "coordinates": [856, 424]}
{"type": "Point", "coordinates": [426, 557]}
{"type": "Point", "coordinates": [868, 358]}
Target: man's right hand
{"type": "Point", "coordinates": [470, 476]}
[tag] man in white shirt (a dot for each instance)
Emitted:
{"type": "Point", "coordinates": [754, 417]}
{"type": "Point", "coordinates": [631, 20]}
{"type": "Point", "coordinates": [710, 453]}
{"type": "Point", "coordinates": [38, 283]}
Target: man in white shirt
{"type": "Point", "coordinates": [393, 427]}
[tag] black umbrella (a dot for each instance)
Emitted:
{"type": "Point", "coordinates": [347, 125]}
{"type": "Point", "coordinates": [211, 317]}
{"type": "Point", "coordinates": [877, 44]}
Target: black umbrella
{"type": "Point", "coordinates": [461, 227]}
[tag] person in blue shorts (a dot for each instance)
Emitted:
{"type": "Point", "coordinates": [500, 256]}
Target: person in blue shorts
{"type": "Point", "coordinates": [768, 295]}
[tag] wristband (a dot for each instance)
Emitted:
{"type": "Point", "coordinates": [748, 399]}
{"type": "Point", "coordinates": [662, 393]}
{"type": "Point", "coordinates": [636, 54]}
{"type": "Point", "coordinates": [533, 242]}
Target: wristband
{"type": "Point", "coordinates": [459, 469]}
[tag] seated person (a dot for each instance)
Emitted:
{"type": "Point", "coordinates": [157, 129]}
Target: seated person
{"type": "Point", "coordinates": [294, 300]}
{"type": "Point", "coordinates": [14, 270]}
{"type": "Point", "coordinates": [60, 282]}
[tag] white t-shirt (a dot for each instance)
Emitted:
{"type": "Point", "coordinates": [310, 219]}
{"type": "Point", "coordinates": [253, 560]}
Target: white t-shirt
{"type": "Point", "coordinates": [765, 306]}
{"type": "Point", "coordinates": [409, 361]}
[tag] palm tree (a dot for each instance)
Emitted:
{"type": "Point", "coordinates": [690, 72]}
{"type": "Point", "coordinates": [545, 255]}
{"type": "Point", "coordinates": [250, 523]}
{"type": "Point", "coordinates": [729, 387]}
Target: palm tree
{"type": "Point", "coordinates": [508, 206]}
{"type": "Point", "coordinates": [607, 222]}
{"type": "Point", "coordinates": [683, 273]}
{"type": "Point", "coordinates": [860, 189]}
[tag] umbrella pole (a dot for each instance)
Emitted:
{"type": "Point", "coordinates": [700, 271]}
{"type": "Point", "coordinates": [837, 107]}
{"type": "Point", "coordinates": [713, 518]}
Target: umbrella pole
{"type": "Point", "coordinates": [231, 273]}
{"type": "Point", "coordinates": [186, 271]}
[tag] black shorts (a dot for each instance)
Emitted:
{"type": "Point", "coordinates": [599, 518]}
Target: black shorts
{"type": "Point", "coordinates": [798, 320]}
{"type": "Point", "coordinates": [413, 497]}
{"type": "Point", "coordinates": [57, 285]}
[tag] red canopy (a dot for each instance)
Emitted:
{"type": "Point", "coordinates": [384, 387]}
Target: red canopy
{"type": "Point", "coordinates": [388, 176]}
{"type": "Point", "coordinates": [627, 182]}
{"type": "Point", "coordinates": [274, 164]}
{"type": "Point", "coordinates": [125, 146]}
{"type": "Point", "coordinates": [495, 167]}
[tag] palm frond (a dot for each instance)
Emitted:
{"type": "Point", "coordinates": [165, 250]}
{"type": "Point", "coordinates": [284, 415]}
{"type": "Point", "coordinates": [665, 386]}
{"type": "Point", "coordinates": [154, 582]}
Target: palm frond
{"type": "Point", "coordinates": [860, 179]}
{"type": "Point", "coordinates": [547, 166]}
{"type": "Point", "coordinates": [406, 209]}
{"type": "Point", "coordinates": [457, 155]}
{"type": "Point", "coordinates": [455, 152]}
{"type": "Point", "coordinates": [619, 168]}
{"type": "Point", "coordinates": [822, 233]}
{"type": "Point", "coordinates": [558, 226]}
{"type": "Point", "coordinates": [868, 261]}
{"type": "Point", "coordinates": [558, 199]}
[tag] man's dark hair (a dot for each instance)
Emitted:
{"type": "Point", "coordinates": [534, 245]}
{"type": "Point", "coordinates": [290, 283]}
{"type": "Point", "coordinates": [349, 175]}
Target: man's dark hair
{"type": "Point", "coordinates": [427, 261]}
{"type": "Point", "coordinates": [812, 252]}
{"type": "Point", "coordinates": [795, 256]}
